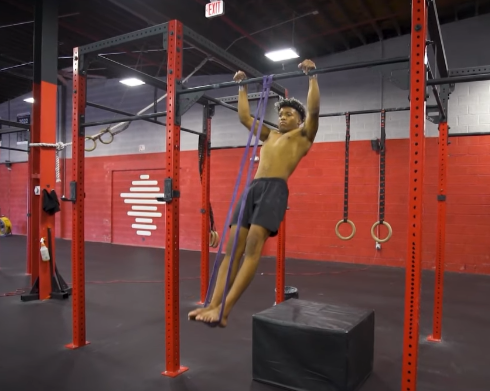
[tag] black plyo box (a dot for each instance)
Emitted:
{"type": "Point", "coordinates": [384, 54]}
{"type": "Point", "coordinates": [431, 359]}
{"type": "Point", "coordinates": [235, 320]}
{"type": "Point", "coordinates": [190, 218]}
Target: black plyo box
{"type": "Point", "coordinates": [307, 346]}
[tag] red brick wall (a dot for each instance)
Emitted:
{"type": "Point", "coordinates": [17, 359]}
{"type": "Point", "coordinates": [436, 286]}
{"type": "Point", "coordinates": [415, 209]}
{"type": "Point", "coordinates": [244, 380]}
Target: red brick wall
{"type": "Point", "coordinates": [316, 201]}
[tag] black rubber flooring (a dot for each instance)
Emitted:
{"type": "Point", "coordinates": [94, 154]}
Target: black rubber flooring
{"type": "Point", "coordinates": [125, 325]}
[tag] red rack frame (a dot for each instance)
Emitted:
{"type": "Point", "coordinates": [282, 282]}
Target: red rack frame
{"type": "Point", "coordinates": [78, 210]}
{"type": "Point", "coordinates": [175, 34]}
{"type": "Point", "coordinates": [415, 197]}
{"type": "Point", "coordinates": [206, 200]}
{"type": "Point", "coordinates": [441, 234]}
{"type": "Point", "coordinates": [172, 209]}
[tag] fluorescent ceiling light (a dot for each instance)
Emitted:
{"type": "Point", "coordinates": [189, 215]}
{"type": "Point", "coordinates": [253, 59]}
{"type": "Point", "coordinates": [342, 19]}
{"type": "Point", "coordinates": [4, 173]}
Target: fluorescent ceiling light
{"type": "Point", "coordinates": [283, 54]}
{"type": "Point", "coordinates": [29, 100]}
{"type": "Point", "coordinates": [132, 82]}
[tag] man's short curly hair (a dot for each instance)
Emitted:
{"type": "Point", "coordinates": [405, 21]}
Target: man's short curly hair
{"type": "Point", "coordinates": [295, 104]}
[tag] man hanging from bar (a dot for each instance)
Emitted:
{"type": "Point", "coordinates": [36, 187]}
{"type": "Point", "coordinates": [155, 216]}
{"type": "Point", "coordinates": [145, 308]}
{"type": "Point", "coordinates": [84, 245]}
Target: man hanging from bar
{"type": "Point", "coordinates": [267, 197]}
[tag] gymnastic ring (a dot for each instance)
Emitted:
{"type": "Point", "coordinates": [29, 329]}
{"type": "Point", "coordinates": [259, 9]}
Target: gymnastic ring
{"type": "Point", "coordinates": [93, 140]}
{"type": "Point", "coordinates": [216, 239]}
{"type": "Point", "coordinates": [104, 132]}
{"type": "Point", "coordinates": [345, 237]}
{"type": "Point", "coordinates": [213, 239]}
{"type": "Point", "coordinates": [390, 232]}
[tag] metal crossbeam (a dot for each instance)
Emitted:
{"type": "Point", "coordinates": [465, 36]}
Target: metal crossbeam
{"type": "Point", "coordinates": [290, 75]}
{"type": "Point", "coordinates": [15, 124]}
{"type": "Point", "coordinates": [124, 38]}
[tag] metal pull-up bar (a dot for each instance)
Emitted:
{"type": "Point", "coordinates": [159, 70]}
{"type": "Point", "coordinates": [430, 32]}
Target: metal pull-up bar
{"type": "Point", "coordinates": [290, 75]}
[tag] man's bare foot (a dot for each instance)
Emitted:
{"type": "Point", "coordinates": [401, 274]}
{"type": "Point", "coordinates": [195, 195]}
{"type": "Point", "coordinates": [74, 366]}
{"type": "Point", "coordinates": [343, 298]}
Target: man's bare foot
{"type": "Point", "coordinates": [192, 315]}
{"type": "Point", "coordinates": [211, 316]}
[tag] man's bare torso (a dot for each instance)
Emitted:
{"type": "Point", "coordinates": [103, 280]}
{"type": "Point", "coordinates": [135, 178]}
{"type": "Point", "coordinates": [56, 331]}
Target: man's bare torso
{"type": "Point", "coordinates": [281, 153]}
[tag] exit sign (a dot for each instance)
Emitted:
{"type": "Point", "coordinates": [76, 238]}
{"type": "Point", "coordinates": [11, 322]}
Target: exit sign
{"type": "Point", "coordinates": [215, 8]}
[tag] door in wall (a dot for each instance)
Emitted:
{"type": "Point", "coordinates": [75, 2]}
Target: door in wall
{"type": "Point", "coordinates": [138, 219]}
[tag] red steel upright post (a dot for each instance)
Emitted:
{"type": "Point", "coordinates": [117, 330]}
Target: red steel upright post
{"type": "Point", "coordinates": [172, 155]}
{"type": "Point", "coordinates": [42, 163]}
{"type": "Point", "coordinates": [34, 204]}
{"type": "Point", "coordinates": [78, 222]}
{"type": "Point", "coordinates": [206, 203]}
{"type": "Point", "coordinates": [441, 233]}
{"type": "Point", "coordinates": [281, 261]}
{"type": "Point", "coordinates": [281, 256]}
{"type": "Point", "coordinates": [415, 195]}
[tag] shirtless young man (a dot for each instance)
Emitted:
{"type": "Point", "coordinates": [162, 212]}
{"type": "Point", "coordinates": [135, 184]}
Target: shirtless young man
{"type": "Point", "coordinates": [268, 194]}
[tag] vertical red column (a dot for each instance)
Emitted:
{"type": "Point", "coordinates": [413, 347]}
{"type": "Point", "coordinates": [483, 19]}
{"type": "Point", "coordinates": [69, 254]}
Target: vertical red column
{"type": "Point", "coordinates": [206, 204]}
{"type": "Point", "coordinates": [172, 156]}
{"type": "Point", "coordinates": [281, 262]}
{"type": "Point", "coordinates": [281, 256]}
{"type": "Point", "coordinates": [415, 191]}
{"type": "Point", "coordinates": [47, 179]}
{"type": "Point", "coordinates": [78, 223]}
{"type": "Point", "coordinates": [441, 234]}
{"type": "Point", "coordinates": [43, 162]}
{"type": "Point", "coordinates": [33, 201]}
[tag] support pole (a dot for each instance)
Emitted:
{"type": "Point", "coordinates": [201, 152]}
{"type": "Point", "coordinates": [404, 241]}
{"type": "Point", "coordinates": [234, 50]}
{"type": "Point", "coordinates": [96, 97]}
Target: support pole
{"type": "Point", "coordinates": [206, 201]}
{"type": "Point", "coordinates": [42, 161]}
{"type": "Point", "coordinates": [281, 255]}
{"type": "Point", "coordinates": [77, 190]}
{"type": "Point", "coordinates": [441, 234]}
{"type": "Point", "coordinates": [281, 262]}
{"type": "Point", "coordinates": [172, 188]}
{"type": "Point", "coordinates": [418, 77]}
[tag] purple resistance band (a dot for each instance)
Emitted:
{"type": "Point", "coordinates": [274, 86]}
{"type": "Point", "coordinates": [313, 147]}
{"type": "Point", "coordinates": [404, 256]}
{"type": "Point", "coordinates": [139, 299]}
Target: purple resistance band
{"type": "Point", "coordinates": [261, 109]}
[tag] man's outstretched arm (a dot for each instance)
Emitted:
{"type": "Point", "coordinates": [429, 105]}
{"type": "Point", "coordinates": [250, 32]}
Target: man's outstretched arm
{"type": "Point", "coordinates": [312, 104]}
{"type": "Point", "coordinates": [244, 110]}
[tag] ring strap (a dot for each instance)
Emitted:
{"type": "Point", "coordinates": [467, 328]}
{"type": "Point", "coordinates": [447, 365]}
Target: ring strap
{"type": "Point", "coordinates": [382, 168]}
{"type": "Point", "coordinates": [346, 179]}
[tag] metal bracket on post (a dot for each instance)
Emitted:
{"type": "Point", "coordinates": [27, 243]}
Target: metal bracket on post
{"type": "Point", "coordinates": [435, 117]}
{"type": "Point", "coordinates": [165, 37]}
{"type": "Point", "coordinates": [81, 129]}
{"type": "Point", "coordinates": [186, 101]}
{"type": "Point", "coordinates": [73, 193]}
{"type": "Point", "coordinates": [209, 111]}
{"type": "Point", "coordinates": [168, 192]}
{"type": "Point", "coordinates": [444, 93]}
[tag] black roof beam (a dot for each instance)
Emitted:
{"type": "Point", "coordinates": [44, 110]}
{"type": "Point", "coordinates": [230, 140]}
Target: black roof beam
{"type": "Point", "coordinates": [340, 6]}
{"type": "Point", "coordinates": [368, 12]}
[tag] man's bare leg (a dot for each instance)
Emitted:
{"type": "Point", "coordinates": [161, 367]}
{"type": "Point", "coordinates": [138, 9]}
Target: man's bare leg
{"type": "Point", "coordinates": [223, 271]}
{"type": "Point", "coordinates": [256, 239]}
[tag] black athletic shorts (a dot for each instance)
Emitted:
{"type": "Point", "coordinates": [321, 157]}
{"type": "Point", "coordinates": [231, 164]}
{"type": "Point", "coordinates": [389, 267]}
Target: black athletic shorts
{"type": "Point", "coordinates": [266, 204]}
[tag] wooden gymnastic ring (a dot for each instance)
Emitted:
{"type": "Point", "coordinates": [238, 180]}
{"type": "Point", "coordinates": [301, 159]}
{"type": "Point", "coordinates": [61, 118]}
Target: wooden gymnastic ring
{"type": "Point", "coordinates": [390, 232]}
{"type": "Point", "coordinates": [104, 132]}
{"type": "Point", "coordinates": [213, 239]}
{"type": "Point", "coordinates": [217, 239]}
{"type": "Point", "coordinates": [345, 237]}
{"type": "Point", "coordinates": [93, 140]}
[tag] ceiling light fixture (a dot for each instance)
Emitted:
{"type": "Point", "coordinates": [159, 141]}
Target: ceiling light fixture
{"type": "Point", "coordinates": [29, 100]}
{"type": "Point", "coordinates": [283, 54]}
{"type": "Point", "coordinates": [132, 82]}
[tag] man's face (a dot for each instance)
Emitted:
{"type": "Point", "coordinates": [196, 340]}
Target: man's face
{"type": "Point", "coordinates": [289, 119]}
